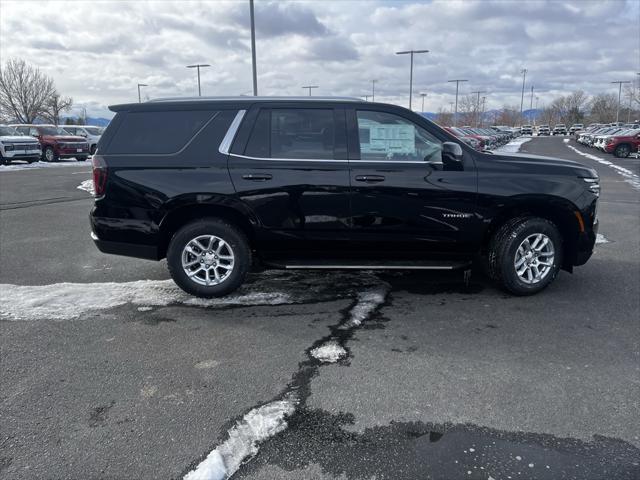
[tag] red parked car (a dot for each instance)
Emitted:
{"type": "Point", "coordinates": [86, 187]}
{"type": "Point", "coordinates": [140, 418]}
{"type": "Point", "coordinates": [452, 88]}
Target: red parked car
{"type": "Point", "coordinates": [623, 145]}
{"type": "Point", "coordinates": [56, 142]}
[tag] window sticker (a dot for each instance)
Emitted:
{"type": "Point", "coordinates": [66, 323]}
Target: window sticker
{"type": "Point", "coordinates": [390, 139]}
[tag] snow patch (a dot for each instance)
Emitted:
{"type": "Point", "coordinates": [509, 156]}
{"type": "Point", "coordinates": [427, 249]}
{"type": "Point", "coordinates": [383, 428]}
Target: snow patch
{"type": "Point", "coordinates": [87, 186]}
{"type": "Point", "coordinates": [37, 165]}
{"type": "Point", "coordinates": [629, 177]}
{"type": "Point", "coordinates": [66, 301]}
{"type": "Point", "coordinates": [243, 439]}
{"type": "Point", "coordinates": [366, 304]}
{"type": "Point", "coordinates": [513, 146]}
{"type": "Point", "coordinates": [329, 352]}
{"type": "Point", "coordinates": [601, 238]}
{"type": "Point", "coordinates": [566, 140]}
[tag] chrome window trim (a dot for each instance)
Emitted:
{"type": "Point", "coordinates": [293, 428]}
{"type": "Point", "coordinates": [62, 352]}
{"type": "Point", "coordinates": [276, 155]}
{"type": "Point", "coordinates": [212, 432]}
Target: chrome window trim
{"type": "Point", "coordinates": [225, 145]}
{"type": "Point", "coordinates": [263, 159]}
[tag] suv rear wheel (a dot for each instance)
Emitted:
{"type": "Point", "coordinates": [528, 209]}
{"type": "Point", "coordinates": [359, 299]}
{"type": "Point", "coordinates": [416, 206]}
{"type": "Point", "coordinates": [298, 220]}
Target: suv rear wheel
{"type": "Point", "coordinates": [209, 258]}
{"type": "Point", "coordinates": [525, 255]}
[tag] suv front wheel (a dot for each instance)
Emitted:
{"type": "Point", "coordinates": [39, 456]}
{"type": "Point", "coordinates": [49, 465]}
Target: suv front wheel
{"type": "Point", "coordinates": [209, 258]}
{"type": "Point", "coordinates": [525, 255]}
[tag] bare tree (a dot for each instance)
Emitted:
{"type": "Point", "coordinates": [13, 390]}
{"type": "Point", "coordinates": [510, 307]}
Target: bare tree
{"type": "Point", "coordinates": [574, 107]}
{"type": "Point", "coordinates": [444, 117]}
{"type": "Point", "coordinates": [467, 110]}
{"type": "Point", "coordinates": [603, 108]}
{"type": "Point", "coordinates": [509, 115]}
{"type": "Point", "coordinates": [55, 106]}
{"type": "Point", "coordinates": [24, 91]}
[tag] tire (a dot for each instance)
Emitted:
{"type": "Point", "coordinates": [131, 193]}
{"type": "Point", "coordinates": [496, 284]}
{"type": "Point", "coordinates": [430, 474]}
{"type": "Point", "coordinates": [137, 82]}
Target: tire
{"type": "Point", "coordinates": [504, 253]}
{"type": "Point", "coordinates": [92, 150]}
{"type": "Point", "coordinates": [81, 159]}
{"type": "Point", "coordinates": [49, 154]}
{"type": "Point", "coordinates": [4, 161]}
{"type": "Point", "coordinates": [237, 247]}
{"type": "Point", "coordinates": [622, 151]}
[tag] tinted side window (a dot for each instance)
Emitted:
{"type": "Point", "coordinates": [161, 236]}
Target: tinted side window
{"type": "Point", "coordinates": [259, 141]}
{"type": "Point", "coordinates": [385, 136]}
{"type": "Point", "coordinates": [157, 132]}
{"type": "Point", "coordinates": [302, 133]}
{"type": "Point", "coordinates": [33, 132]}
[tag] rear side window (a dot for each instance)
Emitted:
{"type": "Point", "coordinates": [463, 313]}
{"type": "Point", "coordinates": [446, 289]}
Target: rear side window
{"type": "Point", "coordinates": [302, 133]}
{"type": "Point", "coordinates": [157, 132]}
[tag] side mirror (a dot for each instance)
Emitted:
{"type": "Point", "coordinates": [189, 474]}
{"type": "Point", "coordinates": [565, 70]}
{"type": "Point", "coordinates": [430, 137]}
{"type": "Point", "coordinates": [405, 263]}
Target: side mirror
{"type": "Point", "coordinates": [451, 151]}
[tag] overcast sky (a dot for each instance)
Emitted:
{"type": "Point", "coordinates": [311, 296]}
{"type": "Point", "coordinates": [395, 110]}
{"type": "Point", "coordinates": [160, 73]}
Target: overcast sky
{"type": "Point", "coordinates": [97, 51]}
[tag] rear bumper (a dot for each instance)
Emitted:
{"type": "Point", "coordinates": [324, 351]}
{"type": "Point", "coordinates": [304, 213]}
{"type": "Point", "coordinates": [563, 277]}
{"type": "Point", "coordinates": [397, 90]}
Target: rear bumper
{"type": "Point", "coordinates": [148, 252]}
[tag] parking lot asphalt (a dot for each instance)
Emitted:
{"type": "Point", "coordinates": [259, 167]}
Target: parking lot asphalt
{"type": "Point", "coordinates": [108, 371]}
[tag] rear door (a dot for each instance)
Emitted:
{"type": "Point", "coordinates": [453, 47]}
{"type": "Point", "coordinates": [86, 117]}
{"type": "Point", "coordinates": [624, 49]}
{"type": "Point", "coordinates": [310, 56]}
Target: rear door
{"type": "Point", "coordinates": [408, 200]}
{"type": "Point", "coordinates": [289, 165]}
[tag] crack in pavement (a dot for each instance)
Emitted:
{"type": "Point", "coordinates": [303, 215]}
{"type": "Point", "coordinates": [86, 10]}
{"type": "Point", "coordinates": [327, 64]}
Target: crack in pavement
{"type": "Point", "coordinates": [265, 421]}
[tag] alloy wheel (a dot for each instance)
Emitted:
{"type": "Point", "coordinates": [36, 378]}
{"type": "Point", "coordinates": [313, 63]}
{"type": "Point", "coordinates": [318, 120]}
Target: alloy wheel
{"type": "Point", "coordinates": [534, 258]}
{"type": "Point", "coordinates": [207, 260]}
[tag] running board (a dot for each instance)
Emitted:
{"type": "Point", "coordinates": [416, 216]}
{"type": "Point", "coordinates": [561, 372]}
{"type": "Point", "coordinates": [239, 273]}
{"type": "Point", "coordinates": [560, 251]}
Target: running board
{"type": "Point", "coordinates": [363, 265]}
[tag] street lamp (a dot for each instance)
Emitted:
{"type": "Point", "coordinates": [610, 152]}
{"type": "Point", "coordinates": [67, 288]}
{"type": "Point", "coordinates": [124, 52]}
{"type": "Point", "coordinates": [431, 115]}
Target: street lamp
{"type": "Point", "coordinates": [411, 52]}
{"type": "Point", "coordinates": [141, 85]}
{"type": "Point", "coordinates": [253, 50]}
{"type": "Point", "coordinates": [484, 102]}
{"type": "Point", "coordinates": [534, 118]}
{"type": "Point", "coordinates": [619, 93]}
{"type": "Point", "coordinates": [423, 95]}
{"type": "Point", "coordinates": [455, 115]}
{"type": "Point", "coordinates": [531, 104]}
{"type": "Point", "coordinates": [373, 90]}
{"type": "Point", "coordinates": [310, 87]}
{"type": "Point", "coordinates": [524, 76]}
{"type": "Point", "coordinates": [198, 66]}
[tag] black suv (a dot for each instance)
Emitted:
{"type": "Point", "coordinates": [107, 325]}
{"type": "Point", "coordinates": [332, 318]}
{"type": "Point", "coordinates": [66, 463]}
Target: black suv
{"type": "Point", "coordinates": [217, 185]}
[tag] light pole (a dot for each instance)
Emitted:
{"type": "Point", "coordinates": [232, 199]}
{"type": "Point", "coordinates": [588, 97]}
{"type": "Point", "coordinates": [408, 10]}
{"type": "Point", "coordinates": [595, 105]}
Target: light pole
{"type": "Point", "coordinates": [411, 52]}
{"type": "Point", "coordinates": [524, 76]}
{"type": "Point", "coordinates": [534, 118]}
{"type": "Point", "coordinates": [423, 95]}
{"type": "Point", "coordinates": [478, 106]}
{"type": "Point", "coordinates": [198, 66]}
{"type": "Point", "coordinates": [619, 93]}
{"type": "Point", "coordinates": [484, 102]}
{"type": "Point", "coordinates": [310, 87]}
{"type": "Point", "coordinates": [373, 90]}
{"type": "Point", "coordinates": [141, 85]}
{"type": "Point", "coordinates": [531, 104]}
{"type": "Point", "coordinates": [253, 50]}
{"type": "Point", "coordinates": [455, 115]}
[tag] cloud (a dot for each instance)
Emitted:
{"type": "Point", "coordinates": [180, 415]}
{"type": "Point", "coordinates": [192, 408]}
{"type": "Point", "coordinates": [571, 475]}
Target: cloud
{"type": "Point", "coordinates": [102, 50]}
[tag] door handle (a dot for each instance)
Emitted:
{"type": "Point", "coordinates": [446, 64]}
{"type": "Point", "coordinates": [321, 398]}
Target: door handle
{"type": "Point", "coordinates": [369, 178]}
{"type": "Point", "coordinates": [257, 177]}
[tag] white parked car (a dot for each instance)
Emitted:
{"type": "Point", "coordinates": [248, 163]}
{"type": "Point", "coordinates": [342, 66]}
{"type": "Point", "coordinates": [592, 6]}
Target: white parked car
{"type": "Point", "coordinates": [16, 146]}
{"type": "Point", "coordinates": [91, 133]}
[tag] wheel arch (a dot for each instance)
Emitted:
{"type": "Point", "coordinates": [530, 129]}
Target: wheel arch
{"type": "Point", "coordinates": [626, 144]}
{"type": "Point", "coordinates": [561, 212]}
{"type": "Point", "coordinates": [184, 214]}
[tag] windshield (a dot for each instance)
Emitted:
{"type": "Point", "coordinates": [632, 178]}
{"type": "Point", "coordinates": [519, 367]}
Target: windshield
{"type": "Point", "coordinates": [53, 131]}
{"type": "Point", "coordinates": [9, 131]}
{"type": "Point", "coordinates": [93, 130]}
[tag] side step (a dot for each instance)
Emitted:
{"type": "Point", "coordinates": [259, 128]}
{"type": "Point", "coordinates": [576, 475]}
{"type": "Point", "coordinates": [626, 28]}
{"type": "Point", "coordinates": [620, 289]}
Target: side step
{"type": "Point", "coordinates": [331, 264]}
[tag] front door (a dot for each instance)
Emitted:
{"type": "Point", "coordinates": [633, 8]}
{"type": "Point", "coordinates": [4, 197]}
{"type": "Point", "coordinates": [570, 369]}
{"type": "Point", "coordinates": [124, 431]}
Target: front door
{"type": "Point", "coordinates": [408, 200]}
{"type": "Point", "coordinates": [290, 167]}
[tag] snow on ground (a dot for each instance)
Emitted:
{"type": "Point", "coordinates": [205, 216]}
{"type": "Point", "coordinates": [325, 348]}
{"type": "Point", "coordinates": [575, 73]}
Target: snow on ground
{"type": "Point", "coordinates": [268, 420]}
{"type": "Point", "coordinates": [329, 352]}
{"type": "Point", "coordinates": [566, 140]}
{"type": "Point", "coordinates": [87, 186]}
{"type": "Point", "coordinates": [242, 442]}
{"type": "Point", "coordinates": [67, 301]}
{"type": "Point", "coordinates": [36, 165]}
{"type": "Point", "coordinates": [367, 303]}
{"type": "Point", "coordinates": [513, 146]}
{"type": "Point", "coordinates": [601, 238]}
{"type": "Point", "coordinates": [629, 177]}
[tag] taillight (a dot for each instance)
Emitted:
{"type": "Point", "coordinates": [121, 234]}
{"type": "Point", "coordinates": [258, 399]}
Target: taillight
{"type": "Point", "coordinates": [99, 175]}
